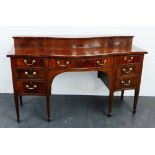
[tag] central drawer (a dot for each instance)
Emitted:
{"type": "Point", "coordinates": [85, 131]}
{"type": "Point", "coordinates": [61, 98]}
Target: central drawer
{"type": "Point", "coordinates": [80, 63]}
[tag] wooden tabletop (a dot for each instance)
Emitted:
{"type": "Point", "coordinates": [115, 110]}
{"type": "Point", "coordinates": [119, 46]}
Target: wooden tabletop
{"type": "Point", "coordinates": [72, 52]}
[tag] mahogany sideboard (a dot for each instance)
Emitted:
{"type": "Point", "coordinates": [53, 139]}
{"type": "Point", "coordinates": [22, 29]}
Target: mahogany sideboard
{"type": "Point", "coordinates": [37, 60]}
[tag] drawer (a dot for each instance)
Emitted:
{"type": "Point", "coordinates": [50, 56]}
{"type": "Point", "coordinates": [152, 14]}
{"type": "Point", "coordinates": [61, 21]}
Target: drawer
{"type": "Point", "coordinates": [80, 63]}
{"type": "Point", "coordinates": [30, 62]}
{"type": "Point", "coordinates": [127, 70]}
{"type": "Point", "coordinates": [126, 82]}
{"type": "Point", "coordinates": [129, 59]}
{"type": "Point", "coordinates": [31, 87]}
{"type": "Point", "coordinates": [30, 74]}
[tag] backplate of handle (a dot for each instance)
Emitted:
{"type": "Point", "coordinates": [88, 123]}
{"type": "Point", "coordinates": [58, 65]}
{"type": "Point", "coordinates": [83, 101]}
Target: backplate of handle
{"type": "Point", "coordinates": [128, 59]}
{"type": "Point", "coordinates": [29, 64]}
{"type": "Point", "coordinates": [31, 88]}
{"type": "Point", "coordinates": [126, 83]}
{"type": "Point", "coordinates": [63, 65]}
{"type": "Point", "coordinates": [30, 74]}
{"type": "Point", "coordinates": [101, 64]}
{"type": "Point", "coordinates": [127, 71]}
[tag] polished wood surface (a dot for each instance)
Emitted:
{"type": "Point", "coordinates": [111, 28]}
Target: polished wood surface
{"type": "Point", "coordinates": [36, 61]}
{"type": "Point", "coordinates": [74, 41]}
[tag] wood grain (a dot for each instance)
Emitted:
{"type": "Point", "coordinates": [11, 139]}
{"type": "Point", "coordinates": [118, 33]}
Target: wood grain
{"type": "Point", "coordinates": [119, 64]}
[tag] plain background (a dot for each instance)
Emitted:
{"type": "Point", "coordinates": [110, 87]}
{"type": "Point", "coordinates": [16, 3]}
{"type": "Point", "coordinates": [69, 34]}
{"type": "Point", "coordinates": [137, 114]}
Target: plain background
{"type": "Point", "coordinates": [77, 13]}
{"type": "Point", "coordinates": [82, 83]}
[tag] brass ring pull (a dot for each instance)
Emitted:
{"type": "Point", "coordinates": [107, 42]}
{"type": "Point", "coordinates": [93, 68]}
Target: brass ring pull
{"type": "Point", "coordinates": [31, 88]}
{"type": "Point", "coordinates": [65, 65]}
{"type": "Point", "coordinates": [29, 64]}
{"type": "Point", "coordinates": [30, 75]}
{"type": "Point", "coordinates": [125, 70]}
{"type": "Point", "coordinates": [129, 60]}
{"type": "Point", "coordinates": [100, 64]}
{"type": "Point", "coordinates": [126, 84]}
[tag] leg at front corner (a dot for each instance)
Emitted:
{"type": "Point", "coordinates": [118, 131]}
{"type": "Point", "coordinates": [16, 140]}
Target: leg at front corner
{"type": "Point", "coordinates": [135, 100]}
{"type": "Point", "coordinates": [48, 108]}
{"type": "Point", "coordinates": [111, 96]}
{"type": "Point", "coordinates": [17, 107]}
{"type": "Point", "coordinates": [122, 94]}
{"type": "Point", "coordinates": [21, 100]}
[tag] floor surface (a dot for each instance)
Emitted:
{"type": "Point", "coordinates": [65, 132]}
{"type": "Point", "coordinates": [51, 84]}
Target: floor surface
{"type": "Point", "coordinates": [73, 111]}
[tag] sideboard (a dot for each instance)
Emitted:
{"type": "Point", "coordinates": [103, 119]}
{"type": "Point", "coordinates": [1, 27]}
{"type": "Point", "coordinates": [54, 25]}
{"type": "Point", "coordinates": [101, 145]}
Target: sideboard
{"type": "Point", "coordinates": [37, 60]}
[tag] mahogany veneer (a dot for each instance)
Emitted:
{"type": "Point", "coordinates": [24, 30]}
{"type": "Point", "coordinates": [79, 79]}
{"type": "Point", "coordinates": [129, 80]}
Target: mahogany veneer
{"type": "Point", "coordinates": [35, 62]}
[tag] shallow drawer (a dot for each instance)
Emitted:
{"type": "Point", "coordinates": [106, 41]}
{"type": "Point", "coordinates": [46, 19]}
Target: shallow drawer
{"type": "Point", "coordinates": [126, 82]}
{"type": "Point", "coordinates": [30, 74]}
{"type": "Point", "coordinates": [31, 87]}
{"type": "Point", "coordinates": [127, 70]}
{"type": "Point", "coordinates": [30, 62]}
{"type": "Point", "coordinates": [80, 63]}
{"type": "Point", "coordinates": [129, 59]}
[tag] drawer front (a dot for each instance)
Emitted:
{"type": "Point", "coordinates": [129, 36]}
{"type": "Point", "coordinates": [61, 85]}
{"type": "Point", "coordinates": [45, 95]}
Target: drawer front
{"type": "Point", "coordinates": [30, 74]}
{"type": "Point", "coordinates": [31, 87]}
{"type": "Point", "coordinates": [127, 70]}
{"type": "Point", "coordinates": [30, 62]}
{"type": "Point", "coordinates": [80, 63]}
{"type": "Point", "coordinates": [129, 59]}
{"type": "Point", "coordinates": [126, 82]}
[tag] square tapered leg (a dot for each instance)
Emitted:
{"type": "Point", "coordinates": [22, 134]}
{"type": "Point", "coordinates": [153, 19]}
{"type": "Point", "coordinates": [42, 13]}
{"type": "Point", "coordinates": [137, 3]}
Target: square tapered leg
{"type": "Point", "coordinates": [17, 107]}
{"type": "Point", "coordinates": [48, 108]}
{"type": "Point", "coordinates": [135, 100]}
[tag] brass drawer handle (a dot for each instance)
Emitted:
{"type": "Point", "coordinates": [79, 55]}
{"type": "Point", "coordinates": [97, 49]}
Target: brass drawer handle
{"type": "Point", "coordinates": [100, 64]}
{"type": "Point", "coordinates": [126, 84]}
{"type": "Point", "coordinates": [30, 75]}
{"type": "Point", "coordinates": [31, 88]}
{"type": "Point", "coordinates": [129, 60]}
{"type": "Point", "coordinates": [29, 64]}
{"type": "Point", "coordinates": [127, 71]}
{"type": "Point", "coordinates": [65, 65]}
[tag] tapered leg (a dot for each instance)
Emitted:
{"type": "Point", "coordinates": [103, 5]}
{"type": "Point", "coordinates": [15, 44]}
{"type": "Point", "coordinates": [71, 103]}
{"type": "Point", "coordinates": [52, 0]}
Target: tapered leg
{"type": "Point", "coordinates": [122, 94]}
{"type": "Point", "coordinates": [17, 107]}
{"type": "Point", "coordinates": [135, 100]}
{"type": "Point", "coordinates": [111, 96]}
{"type": "Point", "coordinates": [48, 108]}
{"type": "Point", "coordinates": [21, 100]}
{"type": "Point", "coordinates": [98, 74]}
